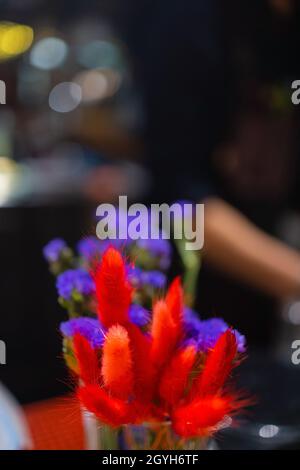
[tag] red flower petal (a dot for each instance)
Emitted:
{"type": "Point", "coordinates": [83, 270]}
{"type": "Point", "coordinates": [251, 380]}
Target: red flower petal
{"type": "Point", "coordinates": [113, 290]}
{"type": "Point", "coordinates": [174, 301]}
{"type": "Point", "coordinates": [164, 334]}
{"type": "Point", "coordinates": [217, 367]}
{"type": "Point", "coordinates": [201, 416]}
{"type": "Point", "coordinates": [175, 378]}
{"type": "Point", "coordinates": [144, 372]}
{"type": "Point", "coordinates": [87, 360]}
{"type": "Point", "coordinates": [109, 410]}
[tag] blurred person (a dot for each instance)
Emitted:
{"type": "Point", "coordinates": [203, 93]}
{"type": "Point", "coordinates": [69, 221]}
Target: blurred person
{"type": "Point", "coordinates": [215, 78]}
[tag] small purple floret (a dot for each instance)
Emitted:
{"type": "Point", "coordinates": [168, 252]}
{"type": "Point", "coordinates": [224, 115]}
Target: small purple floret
{"type": "Point", "coordinates": [139, 315]}
{"type": "Point", "coordinates": [53, 249]}
{"type": "Point", "coordinates": [89, 328]}
{"type": "Point", "coordinates": [77, 280]}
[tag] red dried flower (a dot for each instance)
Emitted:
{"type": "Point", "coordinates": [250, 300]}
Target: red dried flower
{"type": "Point", "coordinates": [87, 360]}
{"type": "Point", "coordinates": [116, 367]}
{"type": "Point", "coordinates": [148, 377]}
{"type": "Point", "coordinates": [113, 290]}
{"type": "Point", "coordinates": [201, 416]}
{"type": "Point", "coordinates": [175, 378]}
{"type": "Point", "coordinates": [218, 365]}
{"type": "Point", "coordinates": [109, 410]}
{"type": "Point", "coordinates": [174, 301]}
{"type": "Point", "coordinates": [164, 332]}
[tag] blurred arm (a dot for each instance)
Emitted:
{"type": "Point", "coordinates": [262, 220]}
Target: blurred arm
{"type": "Point", "coordinates": [233, 244]}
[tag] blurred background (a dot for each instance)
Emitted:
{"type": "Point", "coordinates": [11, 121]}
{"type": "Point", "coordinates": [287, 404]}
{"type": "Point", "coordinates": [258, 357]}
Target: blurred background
{"type": "Point", "coordinates": [160, 101]}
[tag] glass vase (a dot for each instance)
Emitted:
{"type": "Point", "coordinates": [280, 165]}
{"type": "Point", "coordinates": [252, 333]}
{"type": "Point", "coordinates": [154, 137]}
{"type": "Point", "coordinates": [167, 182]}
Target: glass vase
{"type": "Point", "coordinates": [146, 436]}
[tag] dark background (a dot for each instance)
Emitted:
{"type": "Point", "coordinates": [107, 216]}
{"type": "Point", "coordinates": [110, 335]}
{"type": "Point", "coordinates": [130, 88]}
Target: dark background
{"type": "Point", "coordinates": [195, 79]}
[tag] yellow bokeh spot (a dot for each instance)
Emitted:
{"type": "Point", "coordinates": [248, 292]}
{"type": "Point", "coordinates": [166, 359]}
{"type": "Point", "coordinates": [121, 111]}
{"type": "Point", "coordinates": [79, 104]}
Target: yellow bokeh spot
{"type": "Point", "coordinates": [14, 39]}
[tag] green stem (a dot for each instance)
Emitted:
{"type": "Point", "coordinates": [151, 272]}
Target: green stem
{"type": "Point", "coordinates": [108, 438]}
{"type": "Point", "coordinates": [192, 264]}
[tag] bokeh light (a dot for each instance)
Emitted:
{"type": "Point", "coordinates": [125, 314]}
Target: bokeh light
{"type": "Point", "coordinates": [100, 54]}
{"type": "Point", "coordinates": [97, 85]}
{"type": "Point", "coordinates": [294, 313]}
{"type": "Point", "coordinates": [8, 176]}
{"type": "Point", "coordinates": [48, 53]}
{"type": "Point", "coordinates": [268, 431]}
{"type": "Point", "coordinates": [65, 97]}
{"type": "Point", "coordinates": [14, 39]}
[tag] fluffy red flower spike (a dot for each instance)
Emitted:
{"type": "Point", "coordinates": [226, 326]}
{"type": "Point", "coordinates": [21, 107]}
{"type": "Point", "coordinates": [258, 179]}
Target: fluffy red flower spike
{"type": "Point", "coordinates": [218, 366]}
{"type": "Point", "coordinates": [176, 375]}
{"type": "Point", "coordinates": [164, 334]}
{"type": "Point", "coordinates": [87, 360]}
{"type": "Point", "coordinates": [113, 290]}
{"type": "Point", "coordinates": [109, 410]}
{"type": "Point", "coordinates": [117, 363]}
{"type": "Point", "coordinates": [142, 364]}
{"type": "Point", "coordinates": [174, 300]}
{"type": "Point", "coordinates": [201, 416]}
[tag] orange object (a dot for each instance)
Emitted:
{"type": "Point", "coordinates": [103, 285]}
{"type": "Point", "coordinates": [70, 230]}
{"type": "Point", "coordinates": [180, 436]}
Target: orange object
{"type": "Point", "coordinates": [117, 371]}
{"type": "Point", "coordinates": [55, 424]}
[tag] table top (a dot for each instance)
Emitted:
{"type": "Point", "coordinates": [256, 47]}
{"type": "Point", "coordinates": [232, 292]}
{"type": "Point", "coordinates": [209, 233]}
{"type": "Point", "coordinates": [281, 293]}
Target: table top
{"type": "Point", "coordinates": [55, 424]}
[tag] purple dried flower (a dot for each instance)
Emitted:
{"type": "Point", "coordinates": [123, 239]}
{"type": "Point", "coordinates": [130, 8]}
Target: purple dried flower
{"type": "Point", "coordinates": [206, 332]}
{"type": "Point", "coordinates": [155, 279]}
{"type": "Point", "coordinates": [140, 278]}
{"type": "Point", "coordinates": [77, 280]}
{"type": "Point", "coordinates": [192, 322]}
{"type": "Point", "coordinates": [90, 247]}
{"type": "Point", "coordinates": [53, 249]}
{"type": "Point", "coordinates": [90, 328]}
{"type": "Point", "coordinates": [134, 275]}
{"type": "Point", "coordinates": [241, 341]}
{"type": "Point", "coordinates": [209, 332]}
{"type": "Point", "coordinates": [139, 315]}
{"type": "Point", "coordinates": [160, 248]}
